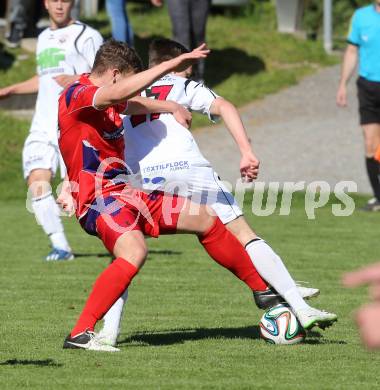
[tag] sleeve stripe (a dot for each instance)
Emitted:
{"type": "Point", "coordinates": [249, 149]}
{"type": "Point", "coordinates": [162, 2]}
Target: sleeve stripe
{"type": "Point", "coordinates": [212, 93]}
{"type": "Point", "coordinates": [187, 82]}
{"type": "Point", "coordinates": [77, 38]}
{"type": "Point", "coordinates": [76, 42]}
{"type": "Point", "coordinates": [69, 94]}
{"type": "Point", "coordinates": [352, 43]}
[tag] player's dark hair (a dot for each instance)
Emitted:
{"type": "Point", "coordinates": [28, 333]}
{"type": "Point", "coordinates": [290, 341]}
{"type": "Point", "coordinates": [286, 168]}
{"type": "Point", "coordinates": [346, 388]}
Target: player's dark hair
{"type": "Point", "coordinates": [116, 55]}
{"type": "Point", "coordinates": [163, 50]}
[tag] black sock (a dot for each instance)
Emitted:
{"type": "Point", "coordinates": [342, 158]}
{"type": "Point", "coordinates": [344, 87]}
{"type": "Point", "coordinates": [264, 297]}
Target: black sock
{"type": "Point", "coordinates": [373, 170]}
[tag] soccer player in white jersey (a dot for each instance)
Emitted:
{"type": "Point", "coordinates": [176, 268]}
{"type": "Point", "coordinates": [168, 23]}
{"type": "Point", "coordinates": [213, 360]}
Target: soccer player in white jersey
{"type": "Point", "coordinates": [64, 50]}
{"type": "Point", "coordinates": [164, 156]}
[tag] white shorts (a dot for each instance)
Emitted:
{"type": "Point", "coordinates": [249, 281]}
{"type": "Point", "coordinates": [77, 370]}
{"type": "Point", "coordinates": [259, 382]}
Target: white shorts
{"type": "Point", "coordinates": [199, 183]}
{"type": "Point", "coordinates": [39, 153]}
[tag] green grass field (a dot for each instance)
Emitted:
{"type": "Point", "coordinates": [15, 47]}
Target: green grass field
{"type": "Point", "coordinates": [188, 323]}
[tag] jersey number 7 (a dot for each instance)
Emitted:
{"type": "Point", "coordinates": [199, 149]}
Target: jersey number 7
{"type": "Point", "coordinates": [159, 92]}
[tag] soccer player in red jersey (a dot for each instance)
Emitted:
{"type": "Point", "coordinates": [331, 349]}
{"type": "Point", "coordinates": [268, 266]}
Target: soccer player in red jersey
{"type": "Point", "coordinates": [154, 153]}
{"type": "Point", "coordinates": [92, 145]}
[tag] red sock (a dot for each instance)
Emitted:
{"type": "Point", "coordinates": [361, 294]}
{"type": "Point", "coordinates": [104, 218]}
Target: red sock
{"type": "Point", "coordinates": [109, 286]}
{"type": "Point", "coordinates": [226, 250]}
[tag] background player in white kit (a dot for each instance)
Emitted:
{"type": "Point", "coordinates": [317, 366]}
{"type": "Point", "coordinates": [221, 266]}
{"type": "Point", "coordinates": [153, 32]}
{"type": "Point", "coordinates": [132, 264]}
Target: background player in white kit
{"type": "Point", "coordinates": [164, 156]}
{"type": "Point", "coordinates": [64, 50]}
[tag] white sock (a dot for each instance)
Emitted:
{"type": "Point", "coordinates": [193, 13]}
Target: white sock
{"type": "Point", "coordinates": [271, 268]}
{"type": "Point", "coordinates": [47, 215]}
{"type": "Point", "coordinates": [58, 240]}
{"type": "Point", "coordinates": [112, 319]}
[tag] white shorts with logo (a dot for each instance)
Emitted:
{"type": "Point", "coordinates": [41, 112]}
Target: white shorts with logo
{"type": "Point", "coordinates": [199, 183]}
{"type": "Point", "coordinates": [40, 153]}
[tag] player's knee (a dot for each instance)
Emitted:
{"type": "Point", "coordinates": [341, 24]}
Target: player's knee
{"type": "Point", "coordinates": [39, 182]}
{"type": "Point", "coordinates": [141, 253]}
{"type": "Point", "coordinates": [38, 188]}
{"type": "Point", "coordinates": [131, 247]}
{"type": "Point", "coordinates": [135, 256]}
{"type": "Point", "coordinates": [371, 143]}
{"type": "Point", "coordinates": [208, 218]}
{"type": "Point", "coordinates": [40, 175]}
{"type": "Point", "coordinates": [369, 151]}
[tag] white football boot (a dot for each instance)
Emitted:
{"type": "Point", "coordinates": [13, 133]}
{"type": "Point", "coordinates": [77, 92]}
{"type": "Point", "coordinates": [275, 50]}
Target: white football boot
{"type": "Point", "coordinates": [307, 292]}
{"type": "Point", "coordinates": [107, 337]}
{"type": "Point", "coordinates": [87, 340]}
{"type": "Point", "coordinates": [311, 317]}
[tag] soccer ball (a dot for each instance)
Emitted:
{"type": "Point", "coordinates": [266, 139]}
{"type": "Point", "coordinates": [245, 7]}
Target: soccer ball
{"type": "Point", "coordinates": [279, 325]}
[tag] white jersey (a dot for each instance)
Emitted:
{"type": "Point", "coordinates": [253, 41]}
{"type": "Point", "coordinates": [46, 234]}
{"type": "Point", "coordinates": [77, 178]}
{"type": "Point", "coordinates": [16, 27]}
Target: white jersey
{"type": "Point", "coordinates": [68, 50]}
{"type": "Point", "coordinates": [158, 138]}
{"type": "Point", "coordinates": [163, 155]}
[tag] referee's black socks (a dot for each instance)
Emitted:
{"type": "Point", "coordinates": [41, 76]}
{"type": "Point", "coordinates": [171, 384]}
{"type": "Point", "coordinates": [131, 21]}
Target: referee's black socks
{"type": "Point", "coordinates": [373, 170]}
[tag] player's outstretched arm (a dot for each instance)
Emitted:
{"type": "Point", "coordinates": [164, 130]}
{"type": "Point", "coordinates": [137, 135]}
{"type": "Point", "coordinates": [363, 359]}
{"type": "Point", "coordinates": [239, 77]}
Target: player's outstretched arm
{"type": "Point", "coordinates": [126, 88]}
{"type": "Point", "coordinates": [350, 60]}
{"type": "Point", "coordinates": [27, 86]}
{"type": "Point", "coordinates": [249, 163]}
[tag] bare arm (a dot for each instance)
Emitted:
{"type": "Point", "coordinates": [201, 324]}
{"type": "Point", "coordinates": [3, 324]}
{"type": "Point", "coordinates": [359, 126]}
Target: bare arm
{"type": "Point", "coordinates": [140, 105]}
{"type": "Point", "coordinates": [27, 86]}
{"type": "Point", "coordinates": [231, 117]}
{"type": "Point", "coordinates": [131, 86]}
{"type": "Point", "coordinates": [249, 164]}
{"type": "Point", "coordinates": [349, 63]}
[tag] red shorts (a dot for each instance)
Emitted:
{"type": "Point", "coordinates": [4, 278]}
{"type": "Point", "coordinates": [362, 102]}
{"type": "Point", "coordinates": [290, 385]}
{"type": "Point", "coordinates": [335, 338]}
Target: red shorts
{"type": "Point", "coordinates": [152, 214]}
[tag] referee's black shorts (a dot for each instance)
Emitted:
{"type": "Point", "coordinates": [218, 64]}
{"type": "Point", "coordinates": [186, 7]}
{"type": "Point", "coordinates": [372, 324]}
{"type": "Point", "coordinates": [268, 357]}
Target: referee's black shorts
{"type": "Point", "coordinates": [369, 101]}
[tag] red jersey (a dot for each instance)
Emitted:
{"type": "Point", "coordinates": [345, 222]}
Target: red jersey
{"type": "Point", "coordinates": [92, 145]}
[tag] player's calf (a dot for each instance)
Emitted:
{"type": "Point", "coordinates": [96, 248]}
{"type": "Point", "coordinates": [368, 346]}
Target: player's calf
{"type": "Point", "coordinates": [227, 251]}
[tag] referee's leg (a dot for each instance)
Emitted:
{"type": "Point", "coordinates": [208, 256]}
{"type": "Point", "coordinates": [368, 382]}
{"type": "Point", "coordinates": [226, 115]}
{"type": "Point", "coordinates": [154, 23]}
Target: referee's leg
{"type": "Point", "coordinates": [371, 134]}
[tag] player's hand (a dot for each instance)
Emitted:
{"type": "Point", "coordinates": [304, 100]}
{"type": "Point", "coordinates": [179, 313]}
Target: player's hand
{"type": "Point", "coordinates": [65, 199]}
{"type": "Point", "coordinates": [182, 116]}
{"type": "Point", "coordinates": [64, 80]}
{"type": "Point", "coordinates": [367, 275]}
{"type": "Point", "coordinates": [67, 204]}
{"type": "Point", "coordinates": [6, 92]}
{"type": "Point", "coordinates": [249, 167]}
{"type": "Point", "coordinates": [368, 320]}
{"type": "Point", "coordinates": [157, 3]}
{"type": "Point", "coordinates": [341, 96]}
{"type": "Point", "coordinates": [183, 61]}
